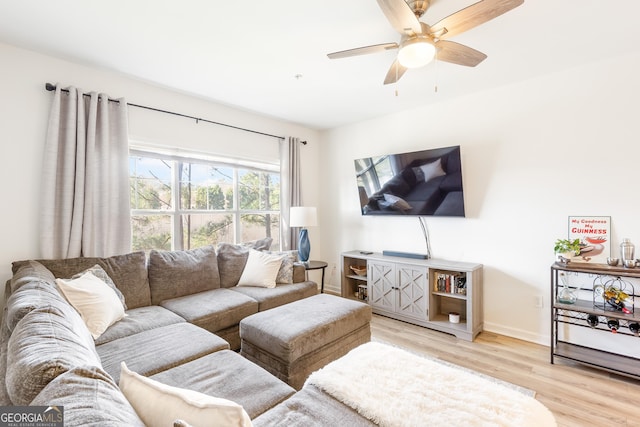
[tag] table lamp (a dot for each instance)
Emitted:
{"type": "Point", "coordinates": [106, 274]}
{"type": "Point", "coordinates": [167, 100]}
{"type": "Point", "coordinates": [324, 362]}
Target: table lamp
{"type": "Point", "coordinates": [303, 216]}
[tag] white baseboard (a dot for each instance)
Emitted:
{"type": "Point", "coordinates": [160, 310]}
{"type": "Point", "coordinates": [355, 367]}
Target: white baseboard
{"type": "Point", "coordinates": [330, 289]}
{"type": "Point", "coordinates": [517, 333]}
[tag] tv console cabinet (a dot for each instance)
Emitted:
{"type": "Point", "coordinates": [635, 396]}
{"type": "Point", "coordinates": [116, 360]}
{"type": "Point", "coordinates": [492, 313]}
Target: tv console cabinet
{"type": "Point", "coordinates": [423, 292]}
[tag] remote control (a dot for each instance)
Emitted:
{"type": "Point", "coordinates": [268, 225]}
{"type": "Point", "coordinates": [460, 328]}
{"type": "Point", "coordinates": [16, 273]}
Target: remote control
{"type": "Point", "coordinates": [366, 252]}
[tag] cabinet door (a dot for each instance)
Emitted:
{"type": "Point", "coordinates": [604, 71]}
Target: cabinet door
{"type": "Point", "coordinates": [381, 283]}
{"type": "Point", "coordinates": [413, 285]}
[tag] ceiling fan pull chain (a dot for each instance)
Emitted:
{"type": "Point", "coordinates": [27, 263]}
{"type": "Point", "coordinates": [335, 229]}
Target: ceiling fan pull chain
{"type": "Point", "coordinates": [397, 66]}
{"type": "Point", "coordinates": [435, 87]}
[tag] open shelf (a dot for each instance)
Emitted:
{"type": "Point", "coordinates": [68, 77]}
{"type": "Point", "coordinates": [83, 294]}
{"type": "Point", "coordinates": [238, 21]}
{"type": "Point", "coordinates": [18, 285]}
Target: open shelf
{"type": "Point", "coordinates": [611, 362]}
{"type": "Point", "coordinates": [586, 345]}
{"type": "Point", "coordinates": [450, 295]}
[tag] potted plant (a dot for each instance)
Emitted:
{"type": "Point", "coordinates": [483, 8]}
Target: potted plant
{"type": "Point", "coordinates": [565, 248]}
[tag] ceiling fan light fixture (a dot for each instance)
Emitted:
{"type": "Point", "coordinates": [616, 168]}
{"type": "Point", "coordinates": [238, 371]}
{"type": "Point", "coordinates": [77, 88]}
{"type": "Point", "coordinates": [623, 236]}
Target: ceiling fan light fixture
{"type": "Point", "coordinates": [416, 53]}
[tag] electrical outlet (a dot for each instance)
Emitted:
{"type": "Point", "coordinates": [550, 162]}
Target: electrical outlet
{"type": "Point", "coordinates": [538, 301]}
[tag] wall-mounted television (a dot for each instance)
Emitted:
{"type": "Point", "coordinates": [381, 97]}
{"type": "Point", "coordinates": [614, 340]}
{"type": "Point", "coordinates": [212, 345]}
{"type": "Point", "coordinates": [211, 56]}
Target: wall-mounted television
{"type": "Point", "coordinates": [423, 183]}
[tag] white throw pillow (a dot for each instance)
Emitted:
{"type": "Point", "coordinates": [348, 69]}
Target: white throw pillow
{"type": "Point", "coordinates": [432, 170]}
{"type": "Point", "coordinates": [159, 404]}
{"type": "Point", "coordinates": [261, 269]}
{"type": "Point", "coordinates": [98, 304]}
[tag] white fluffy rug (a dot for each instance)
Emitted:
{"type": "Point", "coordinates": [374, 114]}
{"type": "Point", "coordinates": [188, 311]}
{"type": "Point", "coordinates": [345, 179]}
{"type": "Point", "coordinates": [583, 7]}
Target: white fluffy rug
{"type": "Point", "coordinates": [393, 387]}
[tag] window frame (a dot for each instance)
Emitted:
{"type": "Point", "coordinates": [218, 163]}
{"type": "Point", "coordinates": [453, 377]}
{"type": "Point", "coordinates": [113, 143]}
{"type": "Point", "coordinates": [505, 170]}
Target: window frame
{"type": "Point", "coordinates": [177, 212]}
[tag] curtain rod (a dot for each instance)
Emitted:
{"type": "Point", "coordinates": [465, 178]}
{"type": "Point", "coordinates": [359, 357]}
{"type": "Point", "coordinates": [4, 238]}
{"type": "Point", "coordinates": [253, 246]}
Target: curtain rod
{"type": "Point", "coordinates": [51, 87]}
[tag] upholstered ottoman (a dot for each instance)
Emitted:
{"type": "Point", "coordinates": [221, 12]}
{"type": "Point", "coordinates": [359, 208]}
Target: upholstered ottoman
{"type": "Point", "coordinates": [295, 339]}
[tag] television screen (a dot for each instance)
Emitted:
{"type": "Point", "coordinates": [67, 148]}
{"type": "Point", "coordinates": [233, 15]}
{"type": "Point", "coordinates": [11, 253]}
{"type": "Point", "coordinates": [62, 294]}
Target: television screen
{"type": "Point", "coordinates": [427, 182]}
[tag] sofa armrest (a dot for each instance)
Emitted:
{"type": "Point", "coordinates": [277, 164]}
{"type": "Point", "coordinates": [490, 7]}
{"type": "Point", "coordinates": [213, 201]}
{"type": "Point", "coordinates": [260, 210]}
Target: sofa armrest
{"type": "Point", "coordinates": [299, 272]}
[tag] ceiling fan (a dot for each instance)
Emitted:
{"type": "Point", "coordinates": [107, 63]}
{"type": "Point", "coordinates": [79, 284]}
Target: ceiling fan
{"type": "Point", "coordinates": [420, 42]}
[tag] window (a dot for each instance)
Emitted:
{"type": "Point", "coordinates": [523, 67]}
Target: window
{"type": "Point", "coordinates": [373, 172]}
{"type": "Point", "coordinates": [185, 203]}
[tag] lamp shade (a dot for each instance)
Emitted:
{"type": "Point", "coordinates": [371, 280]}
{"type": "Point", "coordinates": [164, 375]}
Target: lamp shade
{"type": "Point", "coordinates": [303, 216]}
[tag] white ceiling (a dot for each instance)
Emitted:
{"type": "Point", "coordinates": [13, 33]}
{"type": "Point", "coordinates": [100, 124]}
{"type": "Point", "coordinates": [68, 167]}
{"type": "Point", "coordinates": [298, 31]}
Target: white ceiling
{"type": "Point", "coordinates": [247, 54]}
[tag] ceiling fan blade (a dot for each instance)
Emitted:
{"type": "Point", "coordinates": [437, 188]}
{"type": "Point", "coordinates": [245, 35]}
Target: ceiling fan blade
{"type": "Point", "coordinates": [457, 53]}
{"type": "Point", "coordinates": [365, 50]}
{"type": "Point", "coordinates": [472, 16]}
{"type": "Point", "coordinates": [395, 72]}
{"type": "Point", "coordinates": [401, 17]}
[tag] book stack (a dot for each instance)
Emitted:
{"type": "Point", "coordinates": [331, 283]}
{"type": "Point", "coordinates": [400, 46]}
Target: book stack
{"type": "Point", "coordinates": [453, 283]}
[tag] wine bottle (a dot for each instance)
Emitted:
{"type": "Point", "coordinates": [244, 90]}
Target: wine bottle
{"type": "Point", "coordinates": [593, 320]}
{"type": "Point", "coordinates": [614, 325]}
{"type": "Point", "coordinates": [634, 327]}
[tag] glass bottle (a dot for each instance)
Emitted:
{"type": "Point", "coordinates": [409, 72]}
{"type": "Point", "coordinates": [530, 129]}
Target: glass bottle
{"type": "Point", "coordinates": [593, 320]}
{"type": "Point", "coordinates": [634, 327]}
{"type": "Point", "coordinates": [614, 325]}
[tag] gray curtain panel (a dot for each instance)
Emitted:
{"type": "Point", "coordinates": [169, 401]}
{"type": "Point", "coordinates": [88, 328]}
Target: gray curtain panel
{"type": "Point", "coordinates": [291, 193]}
{"type": "Point", "coordinates": [85, 177]}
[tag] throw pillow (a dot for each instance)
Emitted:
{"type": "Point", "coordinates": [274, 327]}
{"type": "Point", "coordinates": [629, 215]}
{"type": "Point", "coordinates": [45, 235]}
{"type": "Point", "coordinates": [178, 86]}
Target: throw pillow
{"type": "Point", "coordinates": [429, 171]}
{"type": "Point", "coordinates": [232, 258]}
{"type": "Point", "coordinates": [159, 404]}
{"type": "Point", "coordinates": [96, 302]}
{"type": "Point", "coordinates": [396, 203]}
{"type": "Point", "coordinates": [285, 274]}
{"type": "Point", "coordinates": [261, 270]}
{"type": "Point", "coordinates": [99, 272]}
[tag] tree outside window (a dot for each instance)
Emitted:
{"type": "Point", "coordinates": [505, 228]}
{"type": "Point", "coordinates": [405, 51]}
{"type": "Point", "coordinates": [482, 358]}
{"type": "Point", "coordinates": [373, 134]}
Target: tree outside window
{"type": "Point", "coordinates": [180, 203]}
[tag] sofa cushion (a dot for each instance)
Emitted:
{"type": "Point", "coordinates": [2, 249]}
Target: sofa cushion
{"type": "Point", "coordinates": [4, 341]}
{"type": "Point", "coordinates": [47, 342]}
{"type": "Point", "coordinates": [261, 269]}
{"type": "Point", "coordinates": [311, 407]}
{"type": "Point", "coordinates": [29, 271]}
{"type": "Point", "coordinates": [451, 182]}
{"type": "Point", "coordinates": [29, 297]}
{"type": "Point", "coordinates": [97, 303]}
{"type": "Point", "coordinates": [299, 272]}
{"type": "Point", "coordinates": [282, 294]}
{"type": "Point", "coordinates": [228, 375]}
{"type": "Point", "coordinates": [128, 272]}
{"type": "Point", "coordinates": [138, 320]}
{"type": "Point", "coordinates": [174, 274]}
{"type": "Point", "coordinates": [89, 397]}
{"type": "Point", "coordinates": [213, 310]}
{"type": "Point", "coordinates": [232, 259]}
{"type": "Point", "coordinates": [157, 349]}
{"type": "Point", "coordinates": [159, 404]}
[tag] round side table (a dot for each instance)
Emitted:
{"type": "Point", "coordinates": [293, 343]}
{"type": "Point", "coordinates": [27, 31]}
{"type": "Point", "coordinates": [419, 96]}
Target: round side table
{"type": "Point", "coordinates": [317, 265]}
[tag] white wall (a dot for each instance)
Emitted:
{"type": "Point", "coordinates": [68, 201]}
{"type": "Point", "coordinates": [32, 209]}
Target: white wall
{"type": "Point", "coordinates": [533, 153]}
{"type": "Point", "coordinates": [23, 118]}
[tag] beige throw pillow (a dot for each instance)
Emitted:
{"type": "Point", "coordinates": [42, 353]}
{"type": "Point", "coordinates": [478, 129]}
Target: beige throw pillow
{"type": "Point", "coordinates": [97, 303]}
{"type": "Point", "coordinates": [261, 269]}
{"type": "Point", "coordinates": [159, 404]}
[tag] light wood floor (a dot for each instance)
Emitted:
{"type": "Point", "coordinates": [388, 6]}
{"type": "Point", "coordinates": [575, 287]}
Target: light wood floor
{"type": "Point", "coordinates": [577, 395]}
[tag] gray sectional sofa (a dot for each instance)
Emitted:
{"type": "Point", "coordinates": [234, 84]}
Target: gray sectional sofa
{"type": "Point", "coordinates": [180, 328]}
